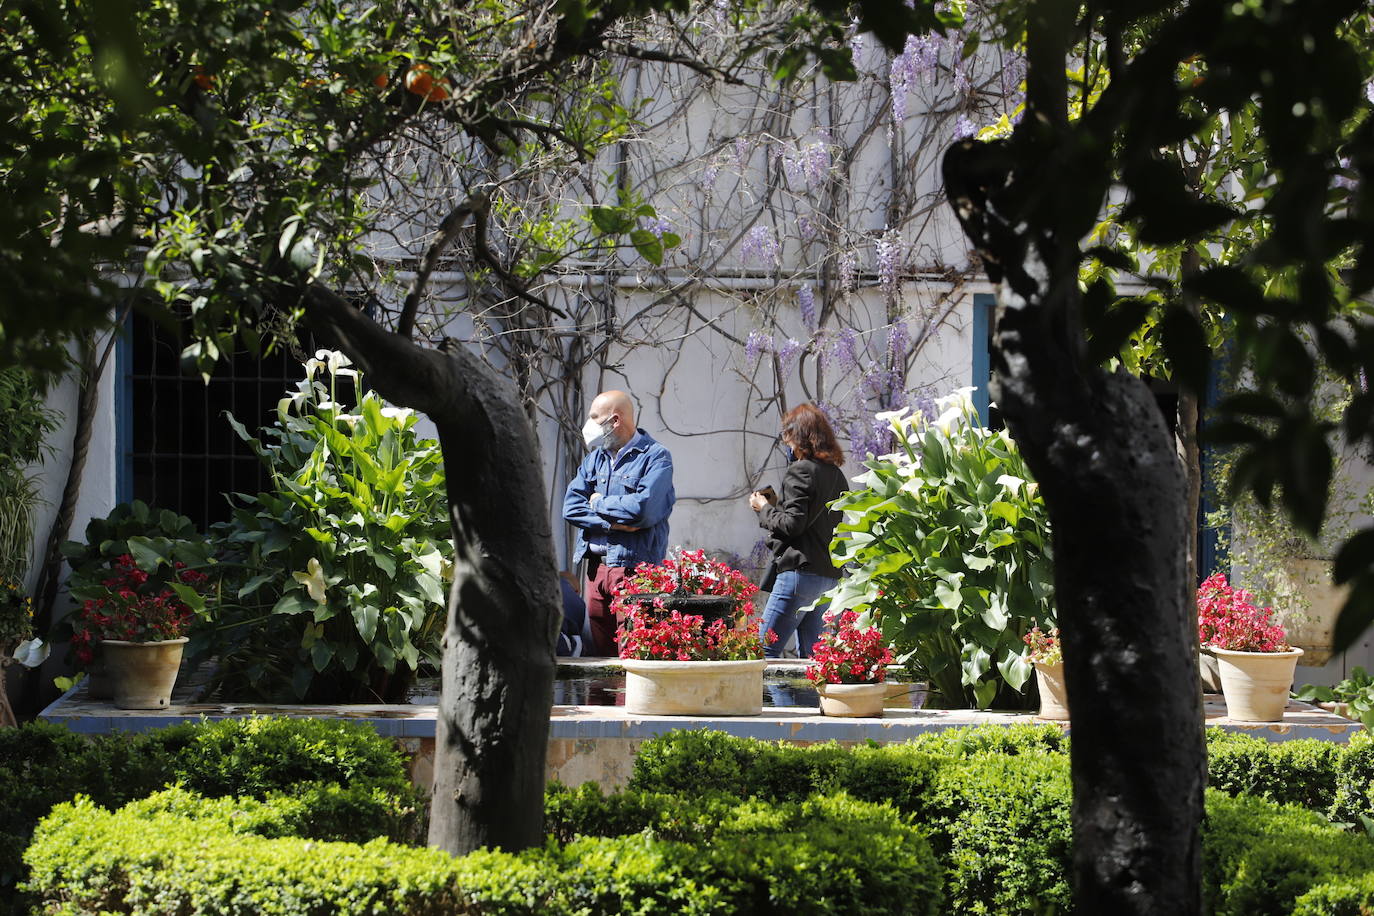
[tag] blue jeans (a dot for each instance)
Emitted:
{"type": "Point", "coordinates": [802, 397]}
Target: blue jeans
{"type": "Point", "coordinates": [794, 589]}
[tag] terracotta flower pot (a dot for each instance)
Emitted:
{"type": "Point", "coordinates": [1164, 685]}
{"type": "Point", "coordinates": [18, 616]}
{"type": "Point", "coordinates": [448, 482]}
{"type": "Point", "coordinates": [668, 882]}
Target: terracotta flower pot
{"type": "Point", "coordinates": [1256, 684]}
{"type": "Point", "coordinates": [143, 672]}
{"type": "Point", "coordinates": [664, 688]}
{"type": "Point", "coordinates": [1054, 697]}
{"type": "Point", "coordinates": [852, 700]}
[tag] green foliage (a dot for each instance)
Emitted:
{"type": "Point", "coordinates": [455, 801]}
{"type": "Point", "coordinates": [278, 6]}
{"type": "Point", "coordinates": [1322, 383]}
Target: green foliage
{"type": "Point", "coordinates": [343, 778]}
{"type": "Point", "coordinates": [155, 538]}
{"type": "Point", "coordinates": [1000, 825]}
{"type": "Point", "coordinates": [949, 541]}
{"type": "Point", "coordinates": [26, 422]}
{"type": "Point", "coordinates": [1355, 691]}
{"type": "Point", "coordinates": [823, 855]}
{"type": "Point", "coordinates": [1258, 858]}
{"type": "Point", "coordinates": [977, 740]}
{"type": "Point", "coordinates": [338, 590]}
{"type": "Point", "coordinates": [1302, 772]}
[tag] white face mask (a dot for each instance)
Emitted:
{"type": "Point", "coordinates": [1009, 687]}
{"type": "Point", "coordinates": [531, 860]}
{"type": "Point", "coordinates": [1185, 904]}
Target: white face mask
{"type": "Point", "coordinates": [594, 434]}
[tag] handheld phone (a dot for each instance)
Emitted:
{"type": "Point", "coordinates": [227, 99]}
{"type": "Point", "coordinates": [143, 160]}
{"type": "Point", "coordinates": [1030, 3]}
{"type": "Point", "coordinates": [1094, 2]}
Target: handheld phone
{"type": "Point", "coordinates": [768, 493]}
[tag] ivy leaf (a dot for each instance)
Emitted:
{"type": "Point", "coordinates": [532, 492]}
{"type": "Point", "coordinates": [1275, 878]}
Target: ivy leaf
{"type": "Point", "coordinates": [648, 245]}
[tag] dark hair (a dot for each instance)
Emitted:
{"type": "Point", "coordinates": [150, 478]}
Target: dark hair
{"type": "Point", "coordinates": [811, 434]}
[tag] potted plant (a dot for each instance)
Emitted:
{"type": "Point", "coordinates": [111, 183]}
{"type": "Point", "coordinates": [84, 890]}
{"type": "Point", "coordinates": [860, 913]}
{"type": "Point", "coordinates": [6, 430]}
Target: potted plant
{"type": "Point", "coordinates": [1047, 655]}
{"type": "Point", "coordinates": [849, 665]}
{"type": "Point", "coordinates": [139, 625]}
{"type": "Point", "coordinates": [682, 663]}
{"type": "Point", "coordinates": [17, 645]}
{"type": "Point", "coordinates": [1253, 656]}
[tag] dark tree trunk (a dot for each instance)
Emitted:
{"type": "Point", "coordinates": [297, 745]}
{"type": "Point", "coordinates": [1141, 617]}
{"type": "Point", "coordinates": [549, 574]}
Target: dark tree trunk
{"type": "Point", "coordinates": [498, 666]}
{"type": "Point", "coordinates": [1114, 488]}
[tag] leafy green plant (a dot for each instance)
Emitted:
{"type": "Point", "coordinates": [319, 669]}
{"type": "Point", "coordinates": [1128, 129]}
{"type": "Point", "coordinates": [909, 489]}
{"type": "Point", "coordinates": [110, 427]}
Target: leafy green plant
{"type": "Point", "coordinates": [949, 545]}
{"type": "Point", "coordinates": [337, 590]}
{"type": "Point", "coordinates": [26, 422]}
{"type": "Point", "coordinates": [1356, 692]}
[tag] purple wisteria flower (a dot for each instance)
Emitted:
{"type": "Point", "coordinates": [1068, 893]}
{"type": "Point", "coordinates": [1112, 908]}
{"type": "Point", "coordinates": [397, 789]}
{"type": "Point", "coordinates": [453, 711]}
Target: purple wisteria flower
{"type": "Point", "coordinates": [887, 255]}
{"type": "Point", "coordinates": [1369, 91]}
{"type": "Point", "coordinates": [899, 82]}
{"type": "Point", "coordinates": [759, 245]}
{"type": "Point", "coordinates": [849, 272]}
{"type": "Point", "coordinates": [815, 164]}
{"type": "Point", "coordinates": [788, 353]}
{"type": "Point", "coordinates": [898, 343]}
{"type": "Point", "coordinates": [806, 301]}
{"type": "Point", "coordinates": [755, 345]}
{"type": "Point", "coordinates": [741, 152]}
{"type": "Point", "coordinates": [708, 176]}
{"type": "Point", "coordinates": [923, 56]}
{"type": "Point", "coordinates": [1013, 72]}
{"type": "Point", "coordinates": [806, 228]}
{"type": "Point", "coordinates": [964, 128]}
{"type": "Point", "coordinates": [844, 350]}
{"type": "Point", "coordinates": [655, 224]}
{"type": "Point", "coordinates": [792, 168]}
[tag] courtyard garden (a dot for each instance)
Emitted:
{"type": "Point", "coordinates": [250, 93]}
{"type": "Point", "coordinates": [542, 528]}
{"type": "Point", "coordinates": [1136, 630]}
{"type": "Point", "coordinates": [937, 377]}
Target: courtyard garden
{"type": "Point", "coordinates": [311, 309]}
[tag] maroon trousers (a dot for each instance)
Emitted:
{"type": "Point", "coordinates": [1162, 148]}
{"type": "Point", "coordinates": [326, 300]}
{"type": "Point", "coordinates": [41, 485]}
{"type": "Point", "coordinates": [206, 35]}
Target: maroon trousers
{"type": "Point", "coordinates": [601, 585]}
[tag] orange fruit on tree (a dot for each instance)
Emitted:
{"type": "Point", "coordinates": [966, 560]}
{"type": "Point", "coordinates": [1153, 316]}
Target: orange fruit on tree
{"type": "Point", "coordinates": [202, 79]}
{"type": "Point", "coordinates": [380, 80]}
{"type": "Point", "coordinates": [421, 81]}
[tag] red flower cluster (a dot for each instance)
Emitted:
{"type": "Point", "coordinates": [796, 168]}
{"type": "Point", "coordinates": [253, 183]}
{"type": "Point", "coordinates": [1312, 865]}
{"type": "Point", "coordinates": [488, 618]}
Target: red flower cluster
{"type": "Point", "coordinates": [1228, 619]}
{"type": "Point", "coordinates": [136, 608]}
{"type": "Point", "coordinates": [849, 655]}
{"type": "Point", "coordinates": [689, 571]}
{"type": "Point", "coordinates": [1044, 647]}
{"type": "Point", "coordinates": [687, 638]}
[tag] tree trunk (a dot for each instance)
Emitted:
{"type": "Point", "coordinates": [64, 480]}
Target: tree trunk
{"type": "Point", "coordinates": [497, 692]}
{"type": "Point", "coordinates": [1114, 489]}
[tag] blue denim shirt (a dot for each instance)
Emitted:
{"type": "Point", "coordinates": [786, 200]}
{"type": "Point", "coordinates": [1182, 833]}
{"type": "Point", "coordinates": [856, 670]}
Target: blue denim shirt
{"type": "Point", "coordinates": [636, 487]}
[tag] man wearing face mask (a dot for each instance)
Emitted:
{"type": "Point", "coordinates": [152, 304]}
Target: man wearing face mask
{"type": "Point", "coordinates": [619, 501]}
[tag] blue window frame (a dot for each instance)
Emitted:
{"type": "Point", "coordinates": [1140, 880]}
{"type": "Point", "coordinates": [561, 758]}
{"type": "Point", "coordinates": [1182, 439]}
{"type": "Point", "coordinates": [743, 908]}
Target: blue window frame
{"type": "Point", "coordinates": [983, 305]}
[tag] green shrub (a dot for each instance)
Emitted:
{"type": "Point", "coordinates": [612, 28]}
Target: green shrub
{"type": "Point", "coordinates": [993, 739]}
{"type": "Point", "coordinates": [1353, 897]}
{"type": "Point", "coordinates": [999, 821]}
{"type": "Point", "coordinates": [353, 814]}
{"type": "Point", "coordinates": [683, 762]}
{"type": "Point", "coordinates": [42, 764]}
{"type": "Point", "coordinates": [1354, 795]}
{"type": "Point", "coordinates": [1259, 858]}
{"type": "Point", "coordinates": [260, 755]}
{"type": "Point", "coordinates": [1302, 772]}
{"type": "Point", "coordinates": [1000, 825]}
{"type": "Point", "coordinates": [820, 856]}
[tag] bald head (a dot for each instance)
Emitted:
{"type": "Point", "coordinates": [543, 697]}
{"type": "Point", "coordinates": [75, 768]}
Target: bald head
{"type": "Point", "coordinates": [615, 410]}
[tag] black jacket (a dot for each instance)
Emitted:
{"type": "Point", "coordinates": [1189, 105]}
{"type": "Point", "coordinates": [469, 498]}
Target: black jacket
{"type": "Point", "coordinates": [800, 526]}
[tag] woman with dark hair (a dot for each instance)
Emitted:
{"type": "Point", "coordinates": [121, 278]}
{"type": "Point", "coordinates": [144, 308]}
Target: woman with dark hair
{"type": "Point", "coordinates": [800, 526]}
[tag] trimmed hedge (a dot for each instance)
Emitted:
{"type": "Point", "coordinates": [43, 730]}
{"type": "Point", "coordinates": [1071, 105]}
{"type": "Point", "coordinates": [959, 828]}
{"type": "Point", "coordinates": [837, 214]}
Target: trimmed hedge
{"type": "Point", "coordinates": [1259, 858]}
{"type": "Point", "coordinates": [42, 764]}
{"type": "Point", "coordinates": [821, 856]}
{"type": "Point", "coordinates": [997, 809]}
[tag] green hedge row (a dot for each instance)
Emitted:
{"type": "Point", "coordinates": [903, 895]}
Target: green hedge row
{"type": "Point", "coordinates": [43, 764]}
{"type": "Point", "coordinates": [997, 810]}
{"type": "Point", "coordinates": [176, 853]}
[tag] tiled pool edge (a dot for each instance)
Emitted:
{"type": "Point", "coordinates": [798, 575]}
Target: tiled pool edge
{"type": "Point", "coordinates": [599, 743]}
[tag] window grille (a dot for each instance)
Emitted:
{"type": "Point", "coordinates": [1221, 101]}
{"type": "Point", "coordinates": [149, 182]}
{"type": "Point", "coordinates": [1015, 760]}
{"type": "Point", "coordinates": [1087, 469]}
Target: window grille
{"type": "Point", "coordinates": [182, 453]}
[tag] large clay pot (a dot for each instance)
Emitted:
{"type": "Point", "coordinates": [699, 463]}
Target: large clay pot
{"type": "Point", "coordinates": [1312, 603]}
{"type": "Point", "coordinates": [143, 672]}
{"type": "Point", "coordinates": [1054, 698]}
{"type": "Point", "coordinates": [1256, 684]}
{"type": "Point", "coordinates": [852, 700]}
{"type": "Point", "coordinates": [662, 688]}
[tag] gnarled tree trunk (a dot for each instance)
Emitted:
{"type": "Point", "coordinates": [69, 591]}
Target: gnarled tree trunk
{"type": "Point", "coordinates": [503, 616]}
{"type": "Point", "coordinates": [1114, 488]}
